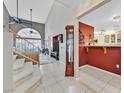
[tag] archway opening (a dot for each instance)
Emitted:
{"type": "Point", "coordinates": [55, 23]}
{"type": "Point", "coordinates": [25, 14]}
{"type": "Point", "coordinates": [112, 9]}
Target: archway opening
{"type": "Point", "coordinates": [30, 35]}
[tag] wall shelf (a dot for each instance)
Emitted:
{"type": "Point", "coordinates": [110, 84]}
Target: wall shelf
{"type": "Point", "coordinates": [104, 47]}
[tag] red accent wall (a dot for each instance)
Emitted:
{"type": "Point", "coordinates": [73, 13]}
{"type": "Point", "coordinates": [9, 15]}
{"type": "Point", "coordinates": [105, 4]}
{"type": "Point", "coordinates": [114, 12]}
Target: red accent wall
{"type": "Point", "coordinates": [82, 56]}
{"type": "Point", "coordinates": [95, 56]}
{"type": "Point", "coordinates": [108, 61]}
{"type": "Point", "coordinates": [86, 31]}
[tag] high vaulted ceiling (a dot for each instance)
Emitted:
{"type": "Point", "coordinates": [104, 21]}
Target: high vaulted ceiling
{"type": "Point", "coordinates": [41, 8]}
{"type": "Point", "coordinates": [75, 4]}
{"type": "Point", "coordinates": [102, 18]}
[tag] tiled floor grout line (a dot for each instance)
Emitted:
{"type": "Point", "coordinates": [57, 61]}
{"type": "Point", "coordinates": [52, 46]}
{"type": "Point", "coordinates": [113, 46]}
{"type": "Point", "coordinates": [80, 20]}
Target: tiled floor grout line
{"type": "Point", "coordinates": [106, 84]}
{"type": "Point", "coordinates": [99, 78]}
{"type": "Point", "coordinates": [86, 84]}
{"type": "Point", "coordinates": [59, 77]}
{"type": "Point", "coordinates": [88, 87]}
{"type": "Point", "coordinates": [61, 86]}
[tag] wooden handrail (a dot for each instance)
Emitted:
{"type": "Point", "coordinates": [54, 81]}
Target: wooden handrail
{"type": "Point", "coordinates": [27, 41]}
{"type": "Point", "coordinates": [29, 38]}
{"type": "Point", "coordinates": [34, 61]}
{"type": "Point", "coordinates": [22, 52]}
{"type": "Point", "coordinates": [23, 38]}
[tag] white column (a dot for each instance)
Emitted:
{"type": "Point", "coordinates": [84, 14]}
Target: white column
{"type": "Point", "coordinates": [7, 62]}
{"type": "Point", "coordinates": [76, 48]}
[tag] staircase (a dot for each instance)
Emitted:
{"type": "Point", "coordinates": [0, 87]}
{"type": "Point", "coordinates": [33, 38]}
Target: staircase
{"type": "Point", "coordinates": [26, 76]}
{"type": "Point", "coordinates": [26, 72]}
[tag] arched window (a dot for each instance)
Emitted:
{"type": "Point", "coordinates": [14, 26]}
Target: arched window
{"type": "Point", "coordinates": [31, 35]}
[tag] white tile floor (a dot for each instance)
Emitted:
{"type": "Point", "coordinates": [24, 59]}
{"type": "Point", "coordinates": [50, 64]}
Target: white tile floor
{"type": "Point", "coordinates": [100, 81]}
{"type": "Point", "coordinates": [90, 80]}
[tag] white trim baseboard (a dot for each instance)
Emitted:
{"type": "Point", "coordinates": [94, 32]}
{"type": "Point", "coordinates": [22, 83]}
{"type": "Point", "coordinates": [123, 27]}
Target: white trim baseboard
{"type": "Point", "coordinates": [116, 75]}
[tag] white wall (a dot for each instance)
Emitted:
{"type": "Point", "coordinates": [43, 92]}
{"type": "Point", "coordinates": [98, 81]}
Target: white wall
{"type": "Point", "coordinates": [7, 62]}
{"type": "Point", "coordinates": [59, 17]}
{"type": "Point", "coordinates": [7, 54]}
{"type": "Point", "coordinates": [5, 18]}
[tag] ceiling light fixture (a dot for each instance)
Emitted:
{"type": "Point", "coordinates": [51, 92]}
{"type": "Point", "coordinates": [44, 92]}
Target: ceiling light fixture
{"type": "Point", "coordinates": [31, 21]}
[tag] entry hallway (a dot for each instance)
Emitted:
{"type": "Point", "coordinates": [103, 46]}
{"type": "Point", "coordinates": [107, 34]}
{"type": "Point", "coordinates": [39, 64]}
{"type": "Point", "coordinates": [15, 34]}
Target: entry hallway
{"type": "Point", "coordinates": [91, 80]}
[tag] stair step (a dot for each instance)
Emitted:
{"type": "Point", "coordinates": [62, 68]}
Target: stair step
{"type": "Point", "coordinates": [18, 64]}
{"type": "Point", "coordinates": [31, 83]}
{"type": "Point", "coordinates": [24, 74]}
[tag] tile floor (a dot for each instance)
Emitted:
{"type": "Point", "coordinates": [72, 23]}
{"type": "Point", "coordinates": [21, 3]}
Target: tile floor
{"type": "Point", "coordinates": [90, 80]}
{"type": "Point", "coordinates": [100, 81]}
{"type": "Point", "coordinates": [44, 59]}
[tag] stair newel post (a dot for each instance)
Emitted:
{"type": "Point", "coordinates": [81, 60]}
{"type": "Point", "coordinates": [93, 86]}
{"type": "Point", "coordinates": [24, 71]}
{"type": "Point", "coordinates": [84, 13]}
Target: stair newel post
{"type": "Point", "coordinates": [33, 53]}
{"type": "Point", "coordinates": [38, 57]}
{"type": "Point", "coordinates": [25, 46]}
{"type": "Point", "coordinates": [16, 48]}
{"type": "Point", "coordinates": [30, 50]}
{"type": "Point", "coordinates": [20, 45]}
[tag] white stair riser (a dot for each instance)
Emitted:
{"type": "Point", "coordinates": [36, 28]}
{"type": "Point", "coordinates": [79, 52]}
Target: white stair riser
{"type": "Point", "coordinates": [18, 70]}
{"type": "Point", "coordinates": [34, 87]}
{"type": "Point", "coordinates": [18, 64]}
{"type": "Point", "coordinates": [25, 80]}
{"type": "Point", "coordinates": [25, 73]}
{"type": "Point", "coordinates": [19, 82]}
